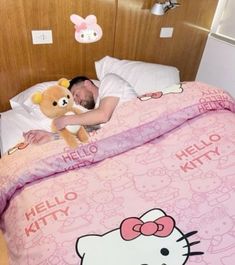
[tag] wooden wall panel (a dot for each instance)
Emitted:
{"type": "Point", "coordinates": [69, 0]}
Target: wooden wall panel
{"type": "Point", "coordinates": [106, 13]}
{"type": "Point", "coordinates": [51, 61]}
{"type": "Point", "coordinates": [15, 70]}
{"type": "Point", "coordinates": [24, 64]}
{"type": "Point", "coordinates": [130, 31]}
{"type": "Point", "coordinates": [191, 22]}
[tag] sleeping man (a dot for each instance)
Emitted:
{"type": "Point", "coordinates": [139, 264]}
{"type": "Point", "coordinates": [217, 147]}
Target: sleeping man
{"type": "Point", "coordinates": [100, 101]}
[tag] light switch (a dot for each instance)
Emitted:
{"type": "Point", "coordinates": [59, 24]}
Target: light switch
{"type": "Point", "coordinates": [42, 36]}
{"type": "Point", "coordinates": [166, 32]}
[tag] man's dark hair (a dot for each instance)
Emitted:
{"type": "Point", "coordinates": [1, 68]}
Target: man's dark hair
{"type": "Point", "coordinates": [77, 80]}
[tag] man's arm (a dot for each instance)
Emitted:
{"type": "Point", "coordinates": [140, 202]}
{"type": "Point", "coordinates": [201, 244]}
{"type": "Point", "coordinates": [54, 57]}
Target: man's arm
{"type": "Point", "coordinates": [93, 117]}
{"type": "Point", "coordinates": [39, 136]}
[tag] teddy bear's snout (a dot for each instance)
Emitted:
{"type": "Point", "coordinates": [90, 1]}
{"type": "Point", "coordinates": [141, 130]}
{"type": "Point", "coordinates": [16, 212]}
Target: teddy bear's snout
{"type": "Point", "coordinates": [63, 102]}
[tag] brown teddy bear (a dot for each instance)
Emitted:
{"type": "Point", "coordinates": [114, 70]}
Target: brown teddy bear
{"type": "Point", "coordinates": [57, 101]}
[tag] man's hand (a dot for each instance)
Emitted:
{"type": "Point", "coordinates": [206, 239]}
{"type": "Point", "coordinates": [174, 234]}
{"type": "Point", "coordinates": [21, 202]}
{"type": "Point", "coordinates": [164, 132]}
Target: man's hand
{"type": "Point", "coordinates": [61, 122]}
{"type": "Point", "coordinates": [38, 137]}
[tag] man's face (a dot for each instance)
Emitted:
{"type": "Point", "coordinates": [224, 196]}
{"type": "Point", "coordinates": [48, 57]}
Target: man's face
{"type": "Point", "coordinates": [82, 96]}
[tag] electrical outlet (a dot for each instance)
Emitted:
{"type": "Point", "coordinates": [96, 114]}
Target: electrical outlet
{"type": "Point", "coordinates": [166, 32]}
{"type": "Point", "coordinates": [42, 36]}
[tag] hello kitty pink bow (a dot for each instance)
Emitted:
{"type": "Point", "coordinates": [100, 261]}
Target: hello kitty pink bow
{"type": "Point", "coordinates": [133, 227]}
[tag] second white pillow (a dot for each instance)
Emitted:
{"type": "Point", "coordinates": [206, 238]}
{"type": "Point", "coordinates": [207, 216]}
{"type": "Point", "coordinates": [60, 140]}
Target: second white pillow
{"type": "Point", "coordinates": [144, 77]}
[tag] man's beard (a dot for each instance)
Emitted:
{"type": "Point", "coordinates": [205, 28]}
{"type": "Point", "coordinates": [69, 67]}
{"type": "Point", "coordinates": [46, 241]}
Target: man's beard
{"type": "Point", "coordinates": [88, 104]}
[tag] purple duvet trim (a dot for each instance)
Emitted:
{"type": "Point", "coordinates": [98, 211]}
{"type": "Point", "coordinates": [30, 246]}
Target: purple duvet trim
{"type": "Point", "coordinates": [86, 155]}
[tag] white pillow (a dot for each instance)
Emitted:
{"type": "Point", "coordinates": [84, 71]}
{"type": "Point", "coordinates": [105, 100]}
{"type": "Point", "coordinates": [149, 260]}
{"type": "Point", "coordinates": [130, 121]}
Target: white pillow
{"type": "Point", "coordinates": [24, 101]}
{"type": "Point", "coordinates": [14, 123]}
{"type": "Point", "coordinates": [144, 77]}
{"type": "Point", "coordinates": [20, 99]}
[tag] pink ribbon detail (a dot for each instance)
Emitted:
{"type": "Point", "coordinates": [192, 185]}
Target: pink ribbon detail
{"type": "Point", "coordinates": [133, 227]}
{"type": "Point", "coordinates": [81, 26]}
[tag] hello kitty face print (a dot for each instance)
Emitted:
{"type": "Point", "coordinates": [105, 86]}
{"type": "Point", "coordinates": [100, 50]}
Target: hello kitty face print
{"type": "Point", "coordinates": [151, 239]}
{"type": "Point", "coordinates": [86, 30]}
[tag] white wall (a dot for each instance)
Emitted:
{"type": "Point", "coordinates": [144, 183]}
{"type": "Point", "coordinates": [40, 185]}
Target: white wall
{"type": "Point", "coordinates": [217, 66]}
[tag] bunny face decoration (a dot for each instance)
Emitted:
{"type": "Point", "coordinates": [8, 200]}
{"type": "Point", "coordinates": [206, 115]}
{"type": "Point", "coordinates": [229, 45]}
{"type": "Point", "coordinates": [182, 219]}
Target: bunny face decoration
{"type": "Point", "coordinates": [86, 30]}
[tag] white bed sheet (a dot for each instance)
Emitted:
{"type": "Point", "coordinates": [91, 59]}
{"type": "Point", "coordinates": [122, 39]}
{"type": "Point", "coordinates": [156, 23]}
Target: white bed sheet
{"type": "Point", "coordinates": [13, 123]}
{"type": "Point", "coordinates": [16, 121]}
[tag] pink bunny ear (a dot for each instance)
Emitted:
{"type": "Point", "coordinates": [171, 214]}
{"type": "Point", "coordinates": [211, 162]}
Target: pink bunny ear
{"type": "Point", "coordinates": [76, 19]}
{"type": "Point", "coordinates": [91, 19]}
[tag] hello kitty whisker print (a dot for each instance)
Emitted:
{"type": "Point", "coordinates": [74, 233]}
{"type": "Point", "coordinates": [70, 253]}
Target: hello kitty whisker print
{"type": "Point", "coordinates": [187, 235]}
{"type": "Point", "coordinates": [193, 253]}
{"type": "Point", "coordinates": [192, 244]}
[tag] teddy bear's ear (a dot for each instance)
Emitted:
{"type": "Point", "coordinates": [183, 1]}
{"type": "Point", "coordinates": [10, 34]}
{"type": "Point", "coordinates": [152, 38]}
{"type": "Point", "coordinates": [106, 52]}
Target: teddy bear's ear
{"type": "Point", "coordinates": [63, 82]}
{"type": "Point", "coordinates": [37, 98]}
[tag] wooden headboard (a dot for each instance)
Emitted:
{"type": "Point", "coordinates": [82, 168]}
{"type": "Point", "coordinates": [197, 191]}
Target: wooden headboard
{"type": "Point", "coordinates": [130, 31]}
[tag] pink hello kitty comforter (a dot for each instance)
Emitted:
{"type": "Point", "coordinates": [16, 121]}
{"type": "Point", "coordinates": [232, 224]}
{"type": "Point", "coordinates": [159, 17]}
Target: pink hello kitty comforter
{"type": "Point", "coordinates": [154, 186]}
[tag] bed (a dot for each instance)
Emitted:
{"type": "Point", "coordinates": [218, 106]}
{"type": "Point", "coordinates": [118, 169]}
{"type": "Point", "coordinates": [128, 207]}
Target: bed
{"type": "Point", "coordinates": [155, 185]}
